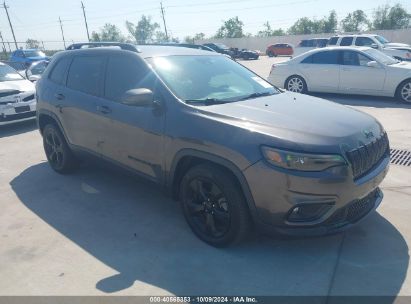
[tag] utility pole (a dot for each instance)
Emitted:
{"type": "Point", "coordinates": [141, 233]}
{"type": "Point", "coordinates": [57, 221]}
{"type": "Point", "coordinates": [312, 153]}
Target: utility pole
{"type": "Point", "coordinates": [164, 20]}
{"type": "Point", "coordinates": [11, 26]}
{"type": "Point", "coordinates": [85, 20]}
{"type": "Point", "coordinates": [62, 33]}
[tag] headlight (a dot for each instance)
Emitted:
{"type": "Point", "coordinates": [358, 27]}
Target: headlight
{"type": "Point", "coordinates": [301, 161]}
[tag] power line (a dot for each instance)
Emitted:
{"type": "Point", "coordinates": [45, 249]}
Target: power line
{"type": "Point", "coordinates": [85, 20]}
{"type": "Point", "coordinates": [164, 20]}
{"type": "Point", "coordinates": [11, 26]}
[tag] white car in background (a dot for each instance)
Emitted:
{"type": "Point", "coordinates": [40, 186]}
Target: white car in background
{"type": "Point", "coordinates": [399, 51]}
{"type": "Point", "coordinates": [346, 70]}
{"type": "Point", "coordinates": [17, 96]}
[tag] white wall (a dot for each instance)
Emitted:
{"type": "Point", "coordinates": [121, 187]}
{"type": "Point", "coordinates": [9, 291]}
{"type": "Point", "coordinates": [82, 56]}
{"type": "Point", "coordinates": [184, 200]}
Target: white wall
{"type": "Point", "coordinates": [261, 43]}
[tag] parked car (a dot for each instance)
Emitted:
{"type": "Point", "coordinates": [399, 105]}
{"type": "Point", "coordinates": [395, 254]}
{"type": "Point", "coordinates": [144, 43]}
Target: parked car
{"type": "Point", "coordinates": [279, 49]}
{"type": "Point", "coordinates": [36, 69]}
{"type": "Point", "coordinates": [27, 56]}
{"type": "Point", "coordinates": [347, 70]}
{"type": "Point", "coordinates": [399, 51]}
{"type": "Point", "coordinates": [244, 54]}
{"type": "Point", "coordinates": [220, 48]}
{"type": "Point", "coordinates": [17, 102]}
{"type": "Point", "coordinates": [236, 151]}
{"type": "Point", "coordinates": [306, 45]}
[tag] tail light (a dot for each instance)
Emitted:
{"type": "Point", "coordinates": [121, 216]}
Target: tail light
{"type": "Point", "coordinates": [272, 68]}
{"type": "Point", "coordinates": [408, 55]}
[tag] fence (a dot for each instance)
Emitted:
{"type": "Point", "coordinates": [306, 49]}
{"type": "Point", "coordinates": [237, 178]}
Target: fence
{"type": "Point", "coordinates": [261, 43]}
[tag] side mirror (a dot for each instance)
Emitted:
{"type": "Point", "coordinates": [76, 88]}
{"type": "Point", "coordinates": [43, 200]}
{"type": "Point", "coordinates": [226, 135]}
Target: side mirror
{"type": "Point", "coordinates": [138, 97]}
{"type": "Point", "coordinates": [373, 64]}
{"type": "Point", "coordinates": [374, 46]}
{"type": "Point", "coordinates": [34, 78]}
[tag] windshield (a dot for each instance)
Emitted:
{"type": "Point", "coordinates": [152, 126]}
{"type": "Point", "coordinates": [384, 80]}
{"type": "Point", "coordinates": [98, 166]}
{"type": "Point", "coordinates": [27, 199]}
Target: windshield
{"type": "Point", "coordinates": [222, 46]}
{"type": "Point", "coordinates": [381, 57]}
{"type": "Point", "coordinates": [198, 79]}
{"type": "Point", "coordinates": [381, 39]}
{"type": "Point", "coordinates": [38, 68]}
{"type": "Point", "coordinates": [34, 53]}
{"type": "Point", "coordinates": [9, 74]}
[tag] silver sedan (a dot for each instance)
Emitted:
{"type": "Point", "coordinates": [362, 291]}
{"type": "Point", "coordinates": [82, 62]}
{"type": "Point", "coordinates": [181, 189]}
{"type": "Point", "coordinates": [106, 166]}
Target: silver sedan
{"type": "Point", "coordinates": [346, 70]}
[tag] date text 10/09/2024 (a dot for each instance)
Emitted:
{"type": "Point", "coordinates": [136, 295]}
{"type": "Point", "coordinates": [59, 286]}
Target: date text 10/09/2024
{"type": "Point", "coordinates": [199, 299]}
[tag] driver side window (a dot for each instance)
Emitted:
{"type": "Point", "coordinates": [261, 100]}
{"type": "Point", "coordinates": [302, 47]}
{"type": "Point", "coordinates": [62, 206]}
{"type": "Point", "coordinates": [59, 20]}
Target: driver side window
{"type": "Point", "coordinates": [355, 59]}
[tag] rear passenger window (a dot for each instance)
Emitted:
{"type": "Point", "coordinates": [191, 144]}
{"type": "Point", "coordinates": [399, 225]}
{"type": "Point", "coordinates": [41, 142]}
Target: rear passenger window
{"type": "Point", "coordinates": [346, 41]}
{"type": "Point", "coordinates": [59, 70]}
{"type": "Point", "coordinates": [330, 57]}
{"type": "Point", "coordinates": [124, 73]}
{"type": "Point", "coordinates": [333, 41]}
{"type": "Point", "coordinates": [85, 74]}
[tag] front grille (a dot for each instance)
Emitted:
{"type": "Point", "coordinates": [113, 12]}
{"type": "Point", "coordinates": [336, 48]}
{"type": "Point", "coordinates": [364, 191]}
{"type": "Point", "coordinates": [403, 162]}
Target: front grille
{"type": "Point", "coordinates": [355, 211]}
{"type": "Point", "coordinates": [366, 157]}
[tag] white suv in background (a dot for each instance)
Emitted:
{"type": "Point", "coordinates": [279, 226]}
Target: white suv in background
{"type": "Point", "coordinates": [399, 51]}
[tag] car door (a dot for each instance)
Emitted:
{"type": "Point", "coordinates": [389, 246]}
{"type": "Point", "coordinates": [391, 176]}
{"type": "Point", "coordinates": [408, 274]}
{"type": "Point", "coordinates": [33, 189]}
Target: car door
{"type": "Point", "coordinates": [322, 71]}
{"type": "Point", "coordinates": [357, 77]}
{"type": "Point", "coordinates": [77, 101]}
{"type": "Point", "coordinates": [133, 135]}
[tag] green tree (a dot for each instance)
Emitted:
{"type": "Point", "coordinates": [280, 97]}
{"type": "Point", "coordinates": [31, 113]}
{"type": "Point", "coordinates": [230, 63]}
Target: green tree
{"type": "Point", "coordinates": [196, 37]}
{"type": "Point", "coordinates": [355, 21]}
{"type": "Point", "coordinates": [109, 32]}
{"type": "Point", "coordinates": [32, 44]}
{"type": "Point", "coordinates": [329, 24]}
{"type": "Point", "coordinates": [307, 26]}
{"type": "Point", "coordinates": [302, 26]}
{"type": "Point", "coordinates": [231, 28]}
{"type": "Point", "coordinates": [388, 18]}
{"type": "Point", "coordinates": [144, 31]}
{"type": "Point", "coordinates": [268, 31]}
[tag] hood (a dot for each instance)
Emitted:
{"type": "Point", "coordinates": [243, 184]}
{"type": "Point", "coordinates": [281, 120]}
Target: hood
{"type": "Point", "coordinates": [16, 85]}
{"type": "Point", "coordinates": [299, 118]}
{"type": "Point", "coordinates": [391, 44]}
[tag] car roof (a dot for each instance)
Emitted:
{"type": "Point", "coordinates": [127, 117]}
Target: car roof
{"type": "Point", "coordinates": [355, 35]}
{"type": "Point", "coordinates": [146, 51]}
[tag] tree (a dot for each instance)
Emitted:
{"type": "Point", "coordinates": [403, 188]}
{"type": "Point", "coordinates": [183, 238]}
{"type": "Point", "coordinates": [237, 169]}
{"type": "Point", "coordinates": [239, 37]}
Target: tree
{"type": "Point", "coordinates": [109, 32]}
{"type": "Point", "coordinates": [144, 31]}
{"type": "Point", "coordinates": [307, 26]}
{"type": "Point", "coordinates": [196, 37]}
{"type": "Point", "coordinates": [388, 18]}
{"type": "Point", "coordinates": [32, 44]}
{"type": "Point", "coordinates": [302, 26]}
{"type": "Point", "coordinates": [231, 28]}
{"type": "Point", "coordinates": [268, 31]}
{"type": "Point", "coordinates": [355, 21]}
{"type": "Point", "coordinates": [330, 24]}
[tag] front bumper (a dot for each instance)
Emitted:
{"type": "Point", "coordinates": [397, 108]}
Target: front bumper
{"type": "Point", "coordinates": [277, 192]}
{"type": "Point", "coordinates": [16, 112]}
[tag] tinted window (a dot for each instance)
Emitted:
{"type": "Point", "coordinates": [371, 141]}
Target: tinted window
{"type": "Point", "coordinates": [85, 74]}
{"type": "Point", "coordinates": [363, 41]}
{"type": "Point", "coordinates": [333, 41]}
{"type": "Point", "coordinates": [124, 73]}
{"type": "Point", "coordinates": [355, 58]}
{"type": "Point", "coordinates": [346, 41]}
{"type": "Point", "coordinates": [321, 42]}
{"type": "Point", "coordinates": [59, 70]}
{"type": "Point", "coordinates": [303, 43]}
{"type": "Point", "coordinates": [330, 57]}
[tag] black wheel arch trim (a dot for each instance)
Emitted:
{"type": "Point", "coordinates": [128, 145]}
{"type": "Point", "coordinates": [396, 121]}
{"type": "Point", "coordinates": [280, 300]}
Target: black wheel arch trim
{"type": "Point", "coordinates": [227, 164]}
{"type": "Point", "coordinates": [52, 116]}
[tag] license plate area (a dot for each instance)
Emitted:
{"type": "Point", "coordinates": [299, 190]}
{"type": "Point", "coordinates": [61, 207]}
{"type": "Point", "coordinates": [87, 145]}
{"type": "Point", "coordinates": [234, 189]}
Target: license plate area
{"type": "Point", "coordinates": [22, 109]}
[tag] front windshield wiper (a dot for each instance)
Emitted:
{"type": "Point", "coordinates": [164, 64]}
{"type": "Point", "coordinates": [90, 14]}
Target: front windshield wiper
{"type": "Point", "coordinates": [256, 95]}
{"type": "Point", "coordinates": [206, 101]}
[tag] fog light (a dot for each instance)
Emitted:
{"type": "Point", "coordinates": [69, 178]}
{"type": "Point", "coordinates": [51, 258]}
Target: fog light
{"type": "Point", "coordinates": [308, 212]}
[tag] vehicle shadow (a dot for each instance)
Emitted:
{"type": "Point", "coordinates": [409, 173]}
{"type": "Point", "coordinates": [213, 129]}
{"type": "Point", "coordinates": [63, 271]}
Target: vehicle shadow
{"type": "Point", "coordinates": [363, 101]}
{"type": "Point", "coordinates": [130, 226]}
{"type": "Point", "coordinates": [17, 128]}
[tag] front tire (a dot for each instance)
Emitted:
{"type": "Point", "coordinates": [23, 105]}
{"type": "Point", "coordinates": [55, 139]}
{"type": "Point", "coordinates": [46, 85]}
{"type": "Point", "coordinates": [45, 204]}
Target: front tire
{"type": "Point", "coordinates": [59, 155]}
{"type": "Point", "coordinates": [214, 206]}
{"type": "Point", "coordinates": [404, 91]}
{"type": "Point", "coordinates": [296, 84]}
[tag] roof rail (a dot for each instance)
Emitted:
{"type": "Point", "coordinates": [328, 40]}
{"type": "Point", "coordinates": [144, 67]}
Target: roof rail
{"type": "Point", "coordinates": [123, 46]}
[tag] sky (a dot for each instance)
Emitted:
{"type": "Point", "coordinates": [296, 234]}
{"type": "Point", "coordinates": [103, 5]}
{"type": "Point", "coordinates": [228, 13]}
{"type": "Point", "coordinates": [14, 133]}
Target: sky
{"type": "Point", "coordinates": [38, 19]}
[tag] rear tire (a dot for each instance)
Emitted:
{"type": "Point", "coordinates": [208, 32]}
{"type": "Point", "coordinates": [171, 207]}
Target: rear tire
{"type": "Point", "coordinates": [270, 54]}
{"type": "Point", "coordinates": [59, 155]}
{"type": "Point", "coordinates": [404, 91]}
{"type": "Point", "coordinates": [296, 84]}
{"type": "Point", "coordinates": [214, 206]}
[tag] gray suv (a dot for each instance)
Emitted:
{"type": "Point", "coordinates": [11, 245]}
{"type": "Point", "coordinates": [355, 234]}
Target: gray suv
{"type": "Point", "coordinates": [237, 152]}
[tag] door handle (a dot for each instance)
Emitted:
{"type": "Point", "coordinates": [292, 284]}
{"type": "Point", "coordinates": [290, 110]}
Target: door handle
{"type": "Point", "coordinates": [104, 109]}
{"type": "Point", "coordinates": [59, 96]}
